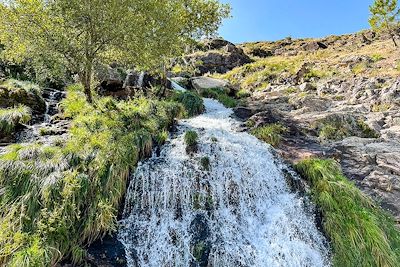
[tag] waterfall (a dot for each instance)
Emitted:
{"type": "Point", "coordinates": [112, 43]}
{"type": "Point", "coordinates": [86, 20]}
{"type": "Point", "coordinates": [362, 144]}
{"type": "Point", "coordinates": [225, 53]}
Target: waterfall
{"type": "Point", "coordinates": [238, 211]}
{"type": "Point", "coordinates": [141, 79]}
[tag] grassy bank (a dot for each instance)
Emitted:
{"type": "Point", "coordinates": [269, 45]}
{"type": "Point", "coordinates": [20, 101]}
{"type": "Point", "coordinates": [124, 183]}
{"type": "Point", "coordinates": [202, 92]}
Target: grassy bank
{"type": "Point", "coordinates": [361, 233]}
{"type": "Point", "coordinates": [56, 199]}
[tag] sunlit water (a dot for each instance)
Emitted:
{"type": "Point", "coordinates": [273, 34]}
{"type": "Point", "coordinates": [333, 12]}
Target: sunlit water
{"type": "Point", "coordinates": [240, 212]}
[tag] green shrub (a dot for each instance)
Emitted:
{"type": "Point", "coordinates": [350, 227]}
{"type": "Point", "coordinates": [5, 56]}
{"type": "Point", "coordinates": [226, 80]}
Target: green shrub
{"type": "Point", "coordinates": [220, 95]}
{"type": "Point", "coordinates": [316, 73]}
{"type": "Point", "coordinates": [11, 117]}
{"type": "Point", "coordinates": [192, 102]}
{"type": "Point", "coordinates": [338, 129]}
{"type": "Point", "coordinates": [377, 57]}
{"type": "Point", "coordinates": [360, 68]}
{"type": "Point", "coordinates": [242, 94]}
{"type": "Point", "coordinates": [191, 138]}
{"type": "Point", "coordinates": [361, 233]}
{"type": "Point", "coordinates": [333, 131]}
{"type": "Point", "coordinates": [271, 134]}
{"type": "Point", "coordinates": [57, 199]}
{"type": "Point", "coordinates": [205, 163]}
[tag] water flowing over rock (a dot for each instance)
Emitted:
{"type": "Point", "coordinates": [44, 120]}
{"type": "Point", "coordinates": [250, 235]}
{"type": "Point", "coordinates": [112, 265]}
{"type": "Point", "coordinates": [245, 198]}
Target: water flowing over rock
{"type": "Point", "coordinates": [236, 210]}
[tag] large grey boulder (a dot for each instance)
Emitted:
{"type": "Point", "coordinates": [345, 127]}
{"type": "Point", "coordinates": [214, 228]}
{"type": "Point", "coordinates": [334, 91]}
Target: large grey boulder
{"type": "Point", "coordinates": [203, 83]}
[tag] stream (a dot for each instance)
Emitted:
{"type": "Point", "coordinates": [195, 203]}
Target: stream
{"type": "Point", "coordinates": [238, 210]}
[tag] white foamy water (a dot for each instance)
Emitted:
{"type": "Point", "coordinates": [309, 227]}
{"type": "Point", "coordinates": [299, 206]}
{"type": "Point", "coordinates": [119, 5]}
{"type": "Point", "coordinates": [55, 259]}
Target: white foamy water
{"type": "Point", "coordinates": [240, 212]}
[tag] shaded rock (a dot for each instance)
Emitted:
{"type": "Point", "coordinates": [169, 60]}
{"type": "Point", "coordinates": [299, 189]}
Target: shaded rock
{"type": "Point", "coordinates": [108, 252]}
{"type": "Point", "coordinates": [220, 57]}
{"type": "Point", "coordinates": [307, 87]}
{"type": "Point", "coordinates": [212, 44]}
{"type": "Point", "coordinates": [313, 46]}
{"type": "Point", "coordinates": [259, 52]}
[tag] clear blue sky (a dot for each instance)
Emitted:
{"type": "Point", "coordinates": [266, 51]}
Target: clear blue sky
{"type": "Point", "coordinates": [260, 20]}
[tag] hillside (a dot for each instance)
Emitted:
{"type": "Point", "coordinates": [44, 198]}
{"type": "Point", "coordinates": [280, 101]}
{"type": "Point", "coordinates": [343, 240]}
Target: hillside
{"type": "Point", "coordinates": [338, 97]}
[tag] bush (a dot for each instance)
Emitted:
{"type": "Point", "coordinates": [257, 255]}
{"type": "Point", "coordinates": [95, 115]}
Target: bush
{"type": "Point", "coordinates": [361, 233]}
{"type": "Point", "coordinates": [11, 117]}
{"type": "Point", "coordinates": [192, 102]}
{"type": "Point", "coordinates": [272, 133]}
{"type": "Point", "coordinates": [220, 95]}
{"type": "Point", "coordinates": [205, 163]}
{"type": "Point", "coordinates": [242, 94]}
{"type": "Point", "coordinates": [191, 138]}
{"type": "Point", "coordinates": [57, 199]}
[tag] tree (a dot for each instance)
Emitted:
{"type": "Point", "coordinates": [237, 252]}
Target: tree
{"type": "Point", "coordinates": [384, 17]}
{"type": "Point", "coordinates": [81, 34]}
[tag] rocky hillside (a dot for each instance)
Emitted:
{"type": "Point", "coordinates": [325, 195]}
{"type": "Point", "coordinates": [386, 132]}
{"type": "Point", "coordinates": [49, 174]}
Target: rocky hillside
{"type": "Point", "coordinates": [336, 97]}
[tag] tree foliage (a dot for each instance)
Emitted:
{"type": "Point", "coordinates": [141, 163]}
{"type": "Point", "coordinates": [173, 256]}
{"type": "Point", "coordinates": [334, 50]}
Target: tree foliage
{"type": "Point", "coordinates": [81, 34]}
{"type": "Point", "coordinates": [385, 17]}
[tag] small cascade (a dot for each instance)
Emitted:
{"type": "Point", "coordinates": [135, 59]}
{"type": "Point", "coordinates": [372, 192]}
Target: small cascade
{"type": "Point", "coordinates": [176, 86]}
{"type": "Point", "coordinates": [141, 79]}
{"type": "Point", "coordinates": [227, 204]}
{"type": "Point", "coordinates": [52, 98]}
{"type": "Point", "coordinates": [32, 132]}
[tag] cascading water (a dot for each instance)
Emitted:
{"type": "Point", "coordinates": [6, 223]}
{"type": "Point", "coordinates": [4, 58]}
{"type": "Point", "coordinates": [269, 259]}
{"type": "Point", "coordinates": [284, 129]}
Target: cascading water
{"type": "Point", "coordinates": [238, 211]}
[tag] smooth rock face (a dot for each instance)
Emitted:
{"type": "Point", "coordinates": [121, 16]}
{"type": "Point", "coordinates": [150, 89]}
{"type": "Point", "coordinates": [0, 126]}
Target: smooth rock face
{"type": "Point", "coordinates": [202, 83]}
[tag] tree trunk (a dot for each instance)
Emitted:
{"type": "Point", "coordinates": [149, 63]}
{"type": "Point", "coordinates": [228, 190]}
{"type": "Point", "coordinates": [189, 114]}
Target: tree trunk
{"type": "Point", "coordinates": [394, 40]}
{"type": "Point", "coordinates": [86, 78]}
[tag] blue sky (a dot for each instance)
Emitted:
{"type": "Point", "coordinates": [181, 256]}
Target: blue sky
{"type": "Point", "coordinates": [258, 20]}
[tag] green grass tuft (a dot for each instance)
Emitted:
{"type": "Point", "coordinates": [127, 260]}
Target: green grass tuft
{"type": "Point", "coordinates": [11, 117]}
{"type": "Point", "coordinates": [192, 102]}
{"type": "Point", "coordinates": [205, 163]}
{"type": "Point", "coordinates": [361, 233]}
{"type": "Point", "coordinates": [271, 134]}
{"type": "Point", "coordinates": [191, 138]}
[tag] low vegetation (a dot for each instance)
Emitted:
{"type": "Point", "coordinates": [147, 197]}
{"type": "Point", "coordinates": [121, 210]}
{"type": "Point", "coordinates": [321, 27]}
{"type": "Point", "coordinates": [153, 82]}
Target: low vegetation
{"type": "Point", "coordinates": [220, 95]}
{"type": "Point", "coordinates": [336, 128]}
{"type": "Point", "coordinates": [271, 133]}
{"type": "Point", "coordinates": [361, 233]}
{"type": "Point", "coordinates": [11, 117]}
{"type": "Point", "coordinates": [191, 138]}
{"type": "Point", "coordinates": [192, 102]}
{"type": "Point", "coordinates": [56, 199]}
{"type": "Point", "coordinates": [27, 86]}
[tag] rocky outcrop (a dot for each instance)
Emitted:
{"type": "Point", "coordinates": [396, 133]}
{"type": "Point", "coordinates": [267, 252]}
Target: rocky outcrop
{"type": "Point", "coordinates": [356, 121]}
{"type": "Point", "coordinates": [217, 56]}
{"type": "Point", "coordinates": [121, 84]}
